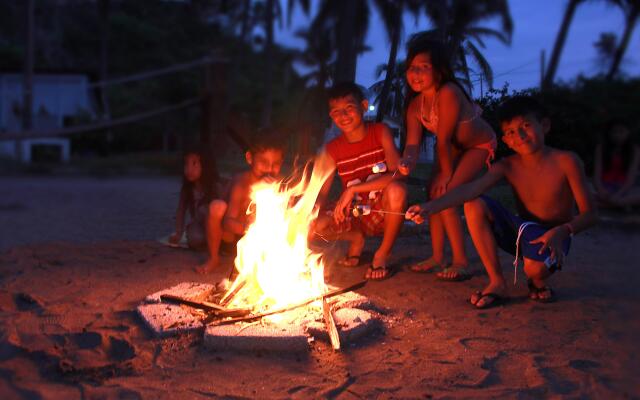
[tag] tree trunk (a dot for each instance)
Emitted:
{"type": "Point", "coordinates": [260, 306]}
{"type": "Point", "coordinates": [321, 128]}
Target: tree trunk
{"type": "Point", "coordinates": [104, 56]}
{"type": "Point", "coordinates": [391, 69]}
{"type": "Point", "coordinates": [559, 44]}
{"type": "Point", "coordinates": [347, 43]}
{"type": "Point", "coordinates": [268, 59]}
{"type": "Point", "coordinates": [27, 92]}
{"type": "Point", "coordinates": [632, 19]}
{"type": "Point", "coordinates": [246, 12]}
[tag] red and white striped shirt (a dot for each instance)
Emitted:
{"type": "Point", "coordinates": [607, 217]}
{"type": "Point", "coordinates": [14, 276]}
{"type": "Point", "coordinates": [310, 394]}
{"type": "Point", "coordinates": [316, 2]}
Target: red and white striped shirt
{"type": "Point", "coordinates": [354, 161]}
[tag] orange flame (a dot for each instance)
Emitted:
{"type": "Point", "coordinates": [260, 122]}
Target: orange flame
{"type": "Point", "coordinates": [274, 260]}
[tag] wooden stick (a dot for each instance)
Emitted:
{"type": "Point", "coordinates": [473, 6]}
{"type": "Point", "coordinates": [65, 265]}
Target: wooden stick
{"type": "Point", "coordinates": [226, 299]}
{"type": "Point", "coordinates": [330, 323]}
{"type": "Point", "coordinates": [284, 309]}
{"type": "Point", "coordinates": [219, 311]}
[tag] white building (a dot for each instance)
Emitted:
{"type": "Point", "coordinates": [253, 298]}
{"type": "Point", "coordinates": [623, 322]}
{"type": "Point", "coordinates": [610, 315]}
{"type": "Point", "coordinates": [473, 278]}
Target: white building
{"type": "Point", "coordinates": [56, 98]}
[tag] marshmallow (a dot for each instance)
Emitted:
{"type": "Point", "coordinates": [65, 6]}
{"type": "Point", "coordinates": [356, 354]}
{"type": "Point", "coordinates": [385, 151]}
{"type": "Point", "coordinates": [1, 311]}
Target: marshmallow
{"type": "Point", "coordinates": [379, 168]}
{"type": "Point", "coordinates": [361, 209]}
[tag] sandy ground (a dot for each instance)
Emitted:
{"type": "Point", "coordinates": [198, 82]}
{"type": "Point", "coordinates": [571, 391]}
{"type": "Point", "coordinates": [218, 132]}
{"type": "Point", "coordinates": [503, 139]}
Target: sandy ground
{"type": "Point", "coordinates": [77, 255]}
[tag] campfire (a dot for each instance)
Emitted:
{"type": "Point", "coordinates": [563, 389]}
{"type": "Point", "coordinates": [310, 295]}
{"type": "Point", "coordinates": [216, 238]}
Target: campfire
{"type": "Point", "coordinates": [280, 279]}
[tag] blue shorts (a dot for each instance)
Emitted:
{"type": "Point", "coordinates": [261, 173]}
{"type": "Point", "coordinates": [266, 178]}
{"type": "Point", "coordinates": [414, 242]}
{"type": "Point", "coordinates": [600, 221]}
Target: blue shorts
{"type": "Point", "coordinates": [505, 228]}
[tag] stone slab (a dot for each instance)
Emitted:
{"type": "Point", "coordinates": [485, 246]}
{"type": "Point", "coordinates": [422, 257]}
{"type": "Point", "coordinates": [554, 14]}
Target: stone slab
{"type": "Point", "coordinates": [258, 337]}
{"type": "Point", "coordinates": [352, 324]}
{"type": "Point", "coordinates": [166, 320]}
{"type": "Point", "coordinates": [197, 291]}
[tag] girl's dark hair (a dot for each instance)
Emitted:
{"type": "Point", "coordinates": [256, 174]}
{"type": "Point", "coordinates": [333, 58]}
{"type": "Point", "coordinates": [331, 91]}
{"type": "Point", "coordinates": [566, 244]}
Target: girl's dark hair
{"type": "Point", "coordinates": [208, 179]}
{"type": "Point", "coordinates": [440, 60]}
{"type": "Point", "coordinates": [608, 147]}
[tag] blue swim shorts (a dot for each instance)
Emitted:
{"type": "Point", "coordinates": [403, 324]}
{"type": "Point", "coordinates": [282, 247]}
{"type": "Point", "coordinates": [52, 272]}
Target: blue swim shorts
{"type": "Point", "coordinates": [505, 228]}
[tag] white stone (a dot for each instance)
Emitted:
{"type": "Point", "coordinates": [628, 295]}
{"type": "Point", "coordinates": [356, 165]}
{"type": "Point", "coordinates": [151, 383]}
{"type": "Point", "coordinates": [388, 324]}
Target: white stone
{"type": "Point", "coordinates": [166, 320]}
{"type": "Point", "coordinates": [257, 337]}
{"type": "Point", "coordinates": [196, 291]}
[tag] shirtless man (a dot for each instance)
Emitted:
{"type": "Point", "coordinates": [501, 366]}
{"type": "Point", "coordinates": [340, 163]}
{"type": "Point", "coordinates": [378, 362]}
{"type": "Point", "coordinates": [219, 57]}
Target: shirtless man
{"type": "Point", "coordinates": [547, 184]}
{"type": "Point", "coordinates": [227, 218]}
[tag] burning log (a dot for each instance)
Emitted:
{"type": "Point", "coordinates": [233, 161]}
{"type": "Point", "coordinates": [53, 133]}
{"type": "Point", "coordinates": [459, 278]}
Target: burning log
{"type": "Point", "coordinates": [330, 323]}
{"type": "Point", "coordinates": [226, 299]}
{"type": "Point", "coordinates": [249, 318]}
{"type": "Point", "coordinates": [215, 309]}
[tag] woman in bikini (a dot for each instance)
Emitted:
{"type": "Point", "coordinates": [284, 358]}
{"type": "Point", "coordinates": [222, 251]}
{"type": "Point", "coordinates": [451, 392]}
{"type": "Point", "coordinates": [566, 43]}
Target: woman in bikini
{"type": "Point", "coordinates": [465, 143]}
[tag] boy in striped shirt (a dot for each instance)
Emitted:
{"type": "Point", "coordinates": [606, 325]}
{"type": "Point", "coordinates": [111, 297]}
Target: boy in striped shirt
{"type": "Point", "coordinates": [353, 154]}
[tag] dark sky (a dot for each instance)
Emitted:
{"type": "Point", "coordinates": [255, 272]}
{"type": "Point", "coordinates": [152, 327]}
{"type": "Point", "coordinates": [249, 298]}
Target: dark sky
{"type": "Point", "coordinates": [536, 23]}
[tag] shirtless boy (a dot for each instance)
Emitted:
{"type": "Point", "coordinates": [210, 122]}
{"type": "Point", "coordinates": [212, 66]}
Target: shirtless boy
{"type": "Point", "coordinates": [547, 184]}
{"type": "Point", "coordinates": [227, 219]}
{"type": "Point", "coordinates": [353, 154]}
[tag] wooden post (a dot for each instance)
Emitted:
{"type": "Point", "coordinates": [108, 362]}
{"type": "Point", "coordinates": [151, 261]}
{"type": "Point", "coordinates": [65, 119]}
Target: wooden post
{"type": "Point", "coordinates": [27, 84]}
{"type": "Point", "coordinates": [542, 61]}
{"type": "Point", "coordinates": [214, 108]}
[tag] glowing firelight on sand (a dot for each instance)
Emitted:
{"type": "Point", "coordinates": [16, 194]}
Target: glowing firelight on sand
{"type": "Point", "coordinates": [276, 267]}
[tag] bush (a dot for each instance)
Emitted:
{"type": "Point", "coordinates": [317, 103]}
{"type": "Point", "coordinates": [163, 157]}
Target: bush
{"type": "Point", "coordinates": [579, 111]}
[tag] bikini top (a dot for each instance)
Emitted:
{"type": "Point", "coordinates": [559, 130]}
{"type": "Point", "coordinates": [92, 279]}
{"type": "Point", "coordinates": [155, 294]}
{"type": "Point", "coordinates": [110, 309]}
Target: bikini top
{"type": "Point", "coordinates": [431, 123]}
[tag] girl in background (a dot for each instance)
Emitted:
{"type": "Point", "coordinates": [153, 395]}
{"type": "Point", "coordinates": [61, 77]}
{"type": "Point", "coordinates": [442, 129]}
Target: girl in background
{"type": "Point", "coordinates": [617, 161]}
{"type": "Point", "coordinates": [197, 191]}
{"type": "Point", "coordinates": [465, 144]}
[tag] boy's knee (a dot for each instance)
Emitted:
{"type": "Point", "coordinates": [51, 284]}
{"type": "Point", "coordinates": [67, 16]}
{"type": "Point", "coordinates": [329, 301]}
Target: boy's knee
{"type": "Point", "coordinates": [217, 208]}
{"type": "Point", "coordinates": [535, 269]}
{"type": "Point", "coordinates": [475, 209]}
{"type": "Point", "coordinates": [396, 192]}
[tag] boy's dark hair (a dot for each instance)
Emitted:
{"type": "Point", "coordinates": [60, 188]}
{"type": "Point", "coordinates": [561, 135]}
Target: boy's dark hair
{"type": "Point", "coordinates": [267, 139]}
{"type": "Point", "coordinates": [344, 89]}
{"type": "Point", "coordinates": [521, 105]}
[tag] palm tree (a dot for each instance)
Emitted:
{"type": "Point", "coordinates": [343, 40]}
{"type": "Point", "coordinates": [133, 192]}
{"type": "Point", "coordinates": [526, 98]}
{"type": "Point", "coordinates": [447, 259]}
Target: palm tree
{"type": "Point", "coordinates": [631, 10]}
{"type": "Point", "coordinates": [349, 22]}
{"type": "Point", "coordinates": [456, 23]}
{"type": "Point", "coordinates": [392, 12]}
{"type": "Point", "coordinates": [606, 48]}
{"type": "Point", "coordinates": [272, 13]}
{"type": "Point", "coordinates": [559, 43]}
{"type": "Point", "coordinates": [393, 103]}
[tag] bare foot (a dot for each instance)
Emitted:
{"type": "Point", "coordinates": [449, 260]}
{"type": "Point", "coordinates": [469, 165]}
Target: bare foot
{"type": "Point", "coordinates": [429, 265]}
{"type": "Point", "coordinates": [209, 266]}
{"type": "Point", "coordinates": [482, 300]}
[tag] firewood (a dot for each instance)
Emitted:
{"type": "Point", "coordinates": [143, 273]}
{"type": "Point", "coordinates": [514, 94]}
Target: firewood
{"type": "Point", "coordinates": [330, 323]}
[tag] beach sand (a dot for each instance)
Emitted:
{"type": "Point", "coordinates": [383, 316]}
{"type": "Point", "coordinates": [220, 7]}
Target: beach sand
{"type": "Point", "coordinates": [78, 254]}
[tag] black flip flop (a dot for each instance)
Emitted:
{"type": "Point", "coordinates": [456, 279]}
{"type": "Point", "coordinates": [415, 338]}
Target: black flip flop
{"type": "Point", "coordinates": [389, 273]}
{"type": "Point", "coordinates": [497, 300]}
{"type": "Point", "coordinates": [533, 289]}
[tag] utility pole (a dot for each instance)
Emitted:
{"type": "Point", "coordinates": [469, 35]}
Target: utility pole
{"type": "Point", "coordinates": [542, 61]}
{"type": "Point", "coordinates": [27, 82]}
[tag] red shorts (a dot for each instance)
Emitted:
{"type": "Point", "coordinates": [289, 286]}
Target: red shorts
{"type": "Point", "coordinates": [371, 224]}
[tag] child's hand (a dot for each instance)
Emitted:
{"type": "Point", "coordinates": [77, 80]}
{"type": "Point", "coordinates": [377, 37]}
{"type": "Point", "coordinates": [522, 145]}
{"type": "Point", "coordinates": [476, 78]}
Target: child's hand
{"type": "Point", "coordinates": [404, 165]}
{"type": "Point", "coordinates": [417, 212]}
{"type": "Point", "coordinates": [552, 240]}
{"type": "Point", "coordinates": [175, 238]}
{"type": "Point", "coordinates": [439, 185]}
{"type": "Point", "coordinates": [344, 203]}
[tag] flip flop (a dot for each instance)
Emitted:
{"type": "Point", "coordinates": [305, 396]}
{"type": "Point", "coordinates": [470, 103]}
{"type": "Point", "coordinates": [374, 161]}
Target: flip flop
{"type": "Point", "coordinates": [347, 262]}
{"type": "Point", "coordinates": [426, 267]}
{"type": "Point", "coordinates": [388, 273]}
{"type": "Point", "coordinates": [533, 289]}
{"type": "Point", "coordinates": [497, 300]}
{"type": "Point", "coordinates": [461, 274]}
